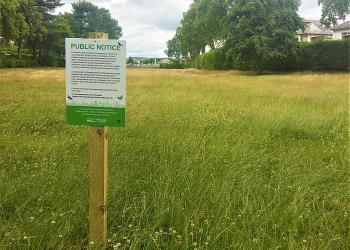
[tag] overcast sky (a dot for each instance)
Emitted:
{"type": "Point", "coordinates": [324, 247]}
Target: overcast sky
{"type": "Point", "coordinates": [149, 24]}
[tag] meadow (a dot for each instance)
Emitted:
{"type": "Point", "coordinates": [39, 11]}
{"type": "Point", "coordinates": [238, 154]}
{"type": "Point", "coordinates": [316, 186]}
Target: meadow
{"type": "Point", "coordinates": [208, 160]}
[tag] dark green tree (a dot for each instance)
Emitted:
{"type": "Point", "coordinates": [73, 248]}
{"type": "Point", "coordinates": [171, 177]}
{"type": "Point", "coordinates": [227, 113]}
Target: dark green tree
{"type": "Point", "coordinates": [8, 16]}
{"type": "Point", "coordinates": [130, 60]}
{"type": "Point", "coordinates": [333, 11]}
{"type": "Point", "coordinates": [202, 25]}
{"type": "Point", "coordinates": [22, 32]}
{"type": "Point", "coordinates": [36, 26]}
{"type": "Point", "coordinates": [47, 7]}
{"type": "Point", "coordinates": [87, 17]}
{"type": "Point", "coordinates": [261, 33]}
{"type": "Point", "coordinates": [174, 48]}
{"type": "Point", "coordinates": [54, 42]}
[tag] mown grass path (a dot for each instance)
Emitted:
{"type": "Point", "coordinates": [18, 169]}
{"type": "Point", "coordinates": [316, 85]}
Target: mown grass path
{"type": "Point", "coordinates": [208, 160]}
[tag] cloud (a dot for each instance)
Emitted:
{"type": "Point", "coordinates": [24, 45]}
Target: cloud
{"type": "Point", "coordinates": [310, 9]}
{"type": "Point", "coordinates": [149, 24]}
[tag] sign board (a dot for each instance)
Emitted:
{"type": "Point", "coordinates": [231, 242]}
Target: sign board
{"type": "Point", "coordinates": [95, 82]}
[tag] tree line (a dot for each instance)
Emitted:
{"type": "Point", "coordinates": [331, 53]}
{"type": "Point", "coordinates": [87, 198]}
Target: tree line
{"type": "Point", "coordinates": [34, 30]}
{"type": "Point", "coordinates": [253, 34]}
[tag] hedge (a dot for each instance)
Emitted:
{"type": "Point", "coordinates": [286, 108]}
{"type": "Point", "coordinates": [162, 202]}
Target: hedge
{"type": "Point", "coordinates": [212, 60]}
{"type": "Point", "coordinates": [171, 66]}
{"type": "Point", "coordinates": [324, 55]}
{"type": "Point", "coordinates": [316, 56]}
{"type": "Point", "coordinates": [12, 62]}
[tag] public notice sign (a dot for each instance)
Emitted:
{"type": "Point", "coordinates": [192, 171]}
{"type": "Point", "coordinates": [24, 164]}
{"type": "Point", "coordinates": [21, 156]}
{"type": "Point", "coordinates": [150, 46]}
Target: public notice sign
{"type": "Point", "coordinates": [95, 82]}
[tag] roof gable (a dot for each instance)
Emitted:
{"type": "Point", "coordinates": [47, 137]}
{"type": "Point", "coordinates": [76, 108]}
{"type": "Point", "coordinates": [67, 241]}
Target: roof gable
{"type": "Point", "coordinates": [345, 25]}
{"type": "Point", "coordinates": [314, 27]}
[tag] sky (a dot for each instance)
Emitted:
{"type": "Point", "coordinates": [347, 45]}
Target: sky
{"type": "Point", "coordinates": [148, 24]}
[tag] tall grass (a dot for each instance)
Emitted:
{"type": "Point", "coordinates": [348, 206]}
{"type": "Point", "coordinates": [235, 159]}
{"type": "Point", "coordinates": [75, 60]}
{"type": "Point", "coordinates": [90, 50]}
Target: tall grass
{"type": "Point", "coordinates": [208, 160]}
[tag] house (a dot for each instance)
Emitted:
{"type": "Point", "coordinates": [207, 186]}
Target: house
{"type": "Point", "coordinates": [164, 61]}
{"type": "Point", "coordinates": [341, 31]}
{"type": "Point", "coordinates": [314, 31]}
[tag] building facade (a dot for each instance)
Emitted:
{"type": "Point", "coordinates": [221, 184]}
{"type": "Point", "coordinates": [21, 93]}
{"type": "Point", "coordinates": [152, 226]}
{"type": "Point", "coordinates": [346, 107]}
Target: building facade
{"type": "Point", "coordinates": [341, 31]}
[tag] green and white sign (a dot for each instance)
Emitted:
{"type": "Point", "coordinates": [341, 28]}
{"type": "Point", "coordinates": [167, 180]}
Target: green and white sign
{"type": "Point", "coordinates": [95, 82]}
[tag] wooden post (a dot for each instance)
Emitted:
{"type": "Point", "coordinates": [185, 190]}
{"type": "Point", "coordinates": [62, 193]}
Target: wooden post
{"type": "Point", "coordinates": [98, 177]}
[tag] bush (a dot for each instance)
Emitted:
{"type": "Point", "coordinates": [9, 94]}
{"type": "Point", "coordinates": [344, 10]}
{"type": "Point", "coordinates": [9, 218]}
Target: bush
{"type": "Point", "coordinates": [317, 56]}
{"type": "Point", "coordinates": [212, 60]}
{"type": "Point", "coordinates": [13, 62]}
{"type": "Point", "coordinates": [50, 59]}
{"type": "Point", "coordinates": [324, 55]}
{"type": "Point", "coordinates": [171, 66]}
{"type": "Point", "coordinates": [189, 65]}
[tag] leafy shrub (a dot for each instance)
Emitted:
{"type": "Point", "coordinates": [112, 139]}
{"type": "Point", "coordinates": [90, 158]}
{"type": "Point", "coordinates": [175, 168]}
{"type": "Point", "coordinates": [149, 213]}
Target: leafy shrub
{"type": "Point", "coordinates": [320, 55]}
{"type": "Point", "coordinates": [324, 55]}
{"type": "Point", "coordinates": [171, 66]}
{"type": "Point", "coordinates": [212, 60]}
{"type": "Point", "coordinates": [189, 65]}
{"type": "Point", "coordinates": [50, 59]}
{"type": "Point", "coordinates": [13, 62]}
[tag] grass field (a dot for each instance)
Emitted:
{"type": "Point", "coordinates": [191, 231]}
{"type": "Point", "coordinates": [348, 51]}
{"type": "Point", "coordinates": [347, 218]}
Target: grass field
{"type": "Point", "coordinates": [208, 160]}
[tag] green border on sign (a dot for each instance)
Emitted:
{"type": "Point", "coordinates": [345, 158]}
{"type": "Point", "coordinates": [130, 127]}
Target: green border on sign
{"type": "Point", "coordinates": [95, 116]}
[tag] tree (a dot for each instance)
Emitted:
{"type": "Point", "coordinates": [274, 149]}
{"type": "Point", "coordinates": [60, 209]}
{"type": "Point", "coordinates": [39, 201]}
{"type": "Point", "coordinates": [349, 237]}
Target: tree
{"type": "Point", "coordinates": [261, 34]}
{"type": "Point", "coordinates": [87, 17]}
{"type": "Point", "coordinates": [334, 10]}
{"type": "Point", "coordinates": [32, 24]}
{"type": "Point", "coordinates": [174, 48]}
{"type": "Point", "coordinates": [130, 60]}
{"type": "Point", "coordinates": [36, 26]}
{"type": "Point", "coordinates": [47, 7]}
{"type": "Point", "coordinates": [8, 16]}
{"type": "Point", "coordinates": [211, 15]}
{"type": "Point", "coordinates": [54, 43]}
{"type": "Point", "coordinates": [201, 26]}
{"type": "Point", "coordinates": [105, 23]}
{"type": "Point", "coordinates": [22, 32]}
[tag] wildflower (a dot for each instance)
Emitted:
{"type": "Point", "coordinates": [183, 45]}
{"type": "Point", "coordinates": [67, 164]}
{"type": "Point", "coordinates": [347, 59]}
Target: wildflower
{"type": "Point", "coordinates": [304, 241]}
{"type": "Point", "coordinates": [53, 222]}
{"type": "Point", "coordinates": [192, 224]}
{"type": "Point", "coordinates": [32, 218]}
{"type": "Point", "coordinates": [60, 236]}
{"type": "Point", "coordinates": [91, 242]}
{"type": "Point", "coordinates": [130, 225]}
{"type": "Point", "coordinates": [25, 237]}
{"type": "Point", "coordinates": [116, 246]}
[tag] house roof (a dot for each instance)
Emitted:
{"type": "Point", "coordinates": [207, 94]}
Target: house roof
{"type": "Point", "coordinates": [342, 26]}
{"type": "Point", "coordinates": [314, 27]}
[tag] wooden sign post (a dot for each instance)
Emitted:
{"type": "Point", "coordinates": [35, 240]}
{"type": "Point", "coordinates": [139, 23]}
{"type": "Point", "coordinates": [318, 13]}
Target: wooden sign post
{"type": "Point", "coordinates": [95, 76]}
{"type": "Point", "coordinates": [98, 177]}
